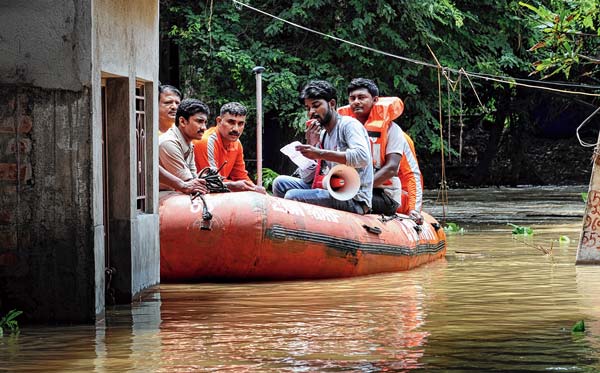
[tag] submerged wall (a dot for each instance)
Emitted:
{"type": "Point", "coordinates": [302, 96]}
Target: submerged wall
{"type": "Point", "coordinates": [53, 58]}
{"type": "Point", "coordinates": [46, 236]}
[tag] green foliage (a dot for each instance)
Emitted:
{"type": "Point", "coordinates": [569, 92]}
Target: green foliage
{"type": "Point", "coordinates": [579, 327]}
{"type": "Point", "coordinates": [453, 228]}
{"type": "Point", "coordinates": [584, 196]}
{"type": "Point", "coordinates": [517, 229]}
{"type": "Point", "coordinates": [566, 36]}
{"type": "Point", "coordinates": [220, 43]}
{"type": "Point", "coordinates": [268, 176]}
{"type": "Point", "coordinates": [9, 322]}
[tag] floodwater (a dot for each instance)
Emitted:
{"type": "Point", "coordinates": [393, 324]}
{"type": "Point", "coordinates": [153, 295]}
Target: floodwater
{"type": "Point", "coordinates": [496, 303]}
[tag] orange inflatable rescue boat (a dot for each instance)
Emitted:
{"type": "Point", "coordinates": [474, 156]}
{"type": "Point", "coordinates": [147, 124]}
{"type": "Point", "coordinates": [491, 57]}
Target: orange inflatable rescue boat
{"type": "Point", "coordinates": [250, 236]}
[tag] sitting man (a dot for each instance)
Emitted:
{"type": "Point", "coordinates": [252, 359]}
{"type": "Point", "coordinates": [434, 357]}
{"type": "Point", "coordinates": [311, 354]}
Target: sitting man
{"type": "Point", "coordinates": [169, 99]}
{"type": "Point", "coordinates": [396, 169]}
{"type": "Point", "coordinates": [332, 139]}
{"type": "Point", "coordinates": [175, 148]}
{"type": "Point", "coordinates": [220, 148]}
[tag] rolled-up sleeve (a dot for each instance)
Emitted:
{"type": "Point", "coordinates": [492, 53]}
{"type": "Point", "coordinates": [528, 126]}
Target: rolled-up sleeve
{"type": "Point", "coordinates": [358, 153]}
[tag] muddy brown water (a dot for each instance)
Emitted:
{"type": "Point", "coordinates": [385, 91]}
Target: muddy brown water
{"type": "Point", "coordinates": [496, 303]}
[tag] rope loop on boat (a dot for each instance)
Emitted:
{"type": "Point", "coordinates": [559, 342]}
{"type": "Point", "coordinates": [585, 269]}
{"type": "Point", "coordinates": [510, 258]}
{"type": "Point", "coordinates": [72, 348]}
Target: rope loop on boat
{"type": "Point", "coordinates": [214, 184]}
{"type": "Point", "coordinates": [214, 181]}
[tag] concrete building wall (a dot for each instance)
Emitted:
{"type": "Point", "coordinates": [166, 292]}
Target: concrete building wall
{"type": "Point", "coordinates": [45, 44]}
{"type": "Point", "coordinates": [125, 48]}
{"type": "Point", "coordinates": [46, 236]}
{"type": "Point", "coordinates": [53, 56]}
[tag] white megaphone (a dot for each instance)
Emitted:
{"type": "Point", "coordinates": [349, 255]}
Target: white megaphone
{"type": "Point", "coordinates": [342, 182]}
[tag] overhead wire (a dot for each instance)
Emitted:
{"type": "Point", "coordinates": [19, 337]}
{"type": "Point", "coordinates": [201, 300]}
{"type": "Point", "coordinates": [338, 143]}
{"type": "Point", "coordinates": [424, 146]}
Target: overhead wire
{"type": "Point", "coordinates": [496, 78]}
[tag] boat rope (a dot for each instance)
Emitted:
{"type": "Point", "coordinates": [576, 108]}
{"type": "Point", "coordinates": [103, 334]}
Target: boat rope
{"type": "Point", "coordinates": [352, 247]}
{"type": "Point", "coordinates": [583, 143]}
{"type": "Point", "coordinates": [442, 196]}
{"type": "Point", "coordinates": [214, 184]}
{"type": "Point", "coordinates": [214, 181]}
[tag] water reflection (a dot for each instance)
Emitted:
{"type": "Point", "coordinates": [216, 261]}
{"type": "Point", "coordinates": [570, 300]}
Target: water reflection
{"type": "Point", "coordinates": [495, 304]}
{"type": "Point", "coordinates": [310, 325]}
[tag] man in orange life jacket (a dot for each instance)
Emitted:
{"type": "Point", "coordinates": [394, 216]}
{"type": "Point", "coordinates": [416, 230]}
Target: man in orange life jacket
{"type": "Point", "coordinates": [394, 160]}
{"type": "Point", "coordinates": [220, 148]}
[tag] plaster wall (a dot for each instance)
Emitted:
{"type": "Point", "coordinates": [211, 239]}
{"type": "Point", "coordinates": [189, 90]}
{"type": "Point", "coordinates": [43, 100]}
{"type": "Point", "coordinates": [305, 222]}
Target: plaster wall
{"type": "Point", "coordinates": [52, 57]}
{"type": "Point", "coordinates": [45, 44]}
{"type": "Point", "coordinates": [125, 49]}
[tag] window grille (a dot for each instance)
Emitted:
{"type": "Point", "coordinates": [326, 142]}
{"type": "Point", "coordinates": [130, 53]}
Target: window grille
{"type": "Point", "coordinates": [140, 135]}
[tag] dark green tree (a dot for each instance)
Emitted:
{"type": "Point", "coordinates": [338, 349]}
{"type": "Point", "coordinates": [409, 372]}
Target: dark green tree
{"type": "Point", "coordinates": [220, 42]}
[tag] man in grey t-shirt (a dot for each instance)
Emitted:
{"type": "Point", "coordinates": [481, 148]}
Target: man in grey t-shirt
{"type": "Point", "coordinates": [344, 141]}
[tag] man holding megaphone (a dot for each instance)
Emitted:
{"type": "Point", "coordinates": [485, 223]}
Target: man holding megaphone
{"type": "Point", "coordinates": [343, 175]}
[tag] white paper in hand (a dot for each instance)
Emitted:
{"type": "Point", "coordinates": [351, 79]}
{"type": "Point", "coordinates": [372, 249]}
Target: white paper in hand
{"type": "Point", "coordinates": [301, 161]}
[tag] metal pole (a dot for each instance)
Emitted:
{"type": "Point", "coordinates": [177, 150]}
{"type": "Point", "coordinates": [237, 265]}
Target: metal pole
{"type": "Point", "coordinates": [258, 71]}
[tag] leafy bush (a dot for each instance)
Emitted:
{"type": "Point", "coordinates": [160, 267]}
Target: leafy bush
{"type": "Point", "coordinates": [9, 322]}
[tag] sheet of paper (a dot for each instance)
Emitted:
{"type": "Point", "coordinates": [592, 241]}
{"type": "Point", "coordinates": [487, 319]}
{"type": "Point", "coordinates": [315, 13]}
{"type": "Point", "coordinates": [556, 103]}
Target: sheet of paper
{"type": "Point", "coordinates": [297, 157]}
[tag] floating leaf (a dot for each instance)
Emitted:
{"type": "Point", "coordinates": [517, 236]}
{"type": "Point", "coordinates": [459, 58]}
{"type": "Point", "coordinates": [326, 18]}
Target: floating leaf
{"type": "Point", "coordinates": [564, 240]}
{"type": "Point", "coordinates": [578, 327]}
{"type": "Point", "coordinates": [584, 196]}
{"type": "Point", "coordinates": [453, 228]}
{"type": "Point", "coordinates": [517, 229]}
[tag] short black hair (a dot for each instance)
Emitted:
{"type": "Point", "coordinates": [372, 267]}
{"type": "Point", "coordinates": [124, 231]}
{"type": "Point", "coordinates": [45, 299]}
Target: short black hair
{"type": "Point", "coordinates": [189, 107]}
{"type": "Point", "coordinates": [368, 84]}
{"type": "Point", "coordinates": [318, 90]}
{"type": "Point", "coordinates": [233, 108]}
{"type": "Point", "coordinates": [164, 88]}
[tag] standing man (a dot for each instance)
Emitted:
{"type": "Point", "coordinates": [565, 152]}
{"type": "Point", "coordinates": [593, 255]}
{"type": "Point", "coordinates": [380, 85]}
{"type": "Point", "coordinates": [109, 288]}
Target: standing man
{"type": "Point", "coordinates": [220, 148]}
{"type": "Point", "coordinates": [332, 139]}
{"type": "Point", "coordinates": [175, 148]}
{"type": "Point", "coordinates": [169, 99]}
{"type": "Point", "coordinates": [394, 159]}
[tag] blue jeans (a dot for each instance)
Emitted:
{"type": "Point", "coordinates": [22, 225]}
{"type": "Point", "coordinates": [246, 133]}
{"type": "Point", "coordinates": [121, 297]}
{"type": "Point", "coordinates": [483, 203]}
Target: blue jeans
{"type": "Point", "coordinates": [295, 189]}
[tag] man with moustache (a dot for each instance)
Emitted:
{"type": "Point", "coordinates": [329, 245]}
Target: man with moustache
{"type": "Point", "coordinates": [175, 148]}
{"type": "Point", "coordinates": [331, 139]}
{"type": "Point", "coordinates": [169, 99]}
{"type": "Point", "coordinates": [220, 148]}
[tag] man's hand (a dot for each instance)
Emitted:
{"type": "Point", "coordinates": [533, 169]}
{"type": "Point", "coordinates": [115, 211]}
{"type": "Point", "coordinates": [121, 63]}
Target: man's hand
{"type": "Point", "coordinates": [259, 189]}
{"type": "Point", "coordinates": [310, 151]}
{"type": "Point", "coordinates": [313, 132]}
{"type": "Point", "coordinates": [193, 186]}
{"type": "Point", "coordinates": [416, 216]}
{"type": "Point", "coordinates": [244, 185]}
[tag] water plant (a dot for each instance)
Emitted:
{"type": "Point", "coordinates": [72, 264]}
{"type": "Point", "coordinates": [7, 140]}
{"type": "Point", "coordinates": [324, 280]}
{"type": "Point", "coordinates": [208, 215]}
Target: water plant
{"type": "Point", "coordinates": [517, 229]}
{"type": "Point", "coordinates": [10, 323]}
{"type": "Point", "coordinates": [564, 241]}
{"type": "Point", "coordinates": [584, 196]}
{"type": "Point", "coordinates": [453, 228]}
{"type": "Point", "coordinates": [578, 327]}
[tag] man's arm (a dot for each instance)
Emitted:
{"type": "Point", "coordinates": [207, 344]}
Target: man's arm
{"type": "Point", "coordinates": [238, 179]}
{"type": "Point", "coordinates": [187, 187]}
{"type": "Point", "coordinates": [388, 170]}
{"type": "Point", "coordinates": [358, 153]}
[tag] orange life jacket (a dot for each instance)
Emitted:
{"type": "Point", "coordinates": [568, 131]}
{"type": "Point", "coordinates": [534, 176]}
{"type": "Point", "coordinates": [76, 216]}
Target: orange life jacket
{"type": "Point", "coordinates": [382, 114]}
